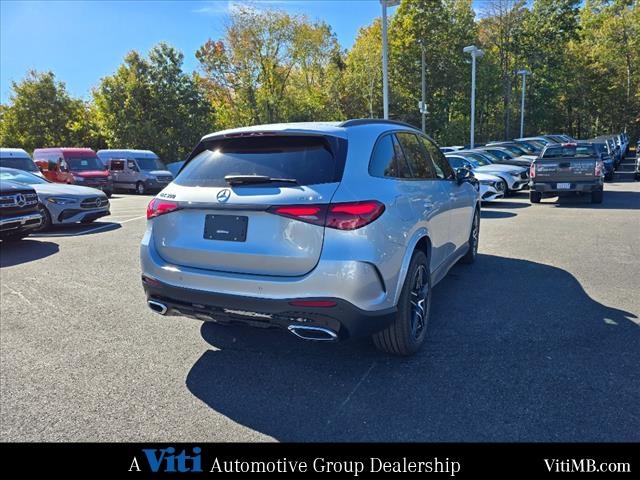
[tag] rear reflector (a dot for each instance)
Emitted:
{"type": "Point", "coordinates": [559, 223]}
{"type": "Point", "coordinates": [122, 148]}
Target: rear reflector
{"type": "Point", "coordinates": [158, 207]}
{"type": "Point", "coordinates": [341, 216]}
{"type": "Point", "coordinates": [313, 303]}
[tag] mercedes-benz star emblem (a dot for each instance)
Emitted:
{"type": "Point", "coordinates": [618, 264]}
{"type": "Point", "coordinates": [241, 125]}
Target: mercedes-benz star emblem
{"type": "Point", "coordinates": [20, 200]}
{"type": "Point", "coordinates": [223, 195]}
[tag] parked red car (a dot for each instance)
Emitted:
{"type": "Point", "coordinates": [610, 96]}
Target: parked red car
{"type": "Point", "coordinates": [79, 166]}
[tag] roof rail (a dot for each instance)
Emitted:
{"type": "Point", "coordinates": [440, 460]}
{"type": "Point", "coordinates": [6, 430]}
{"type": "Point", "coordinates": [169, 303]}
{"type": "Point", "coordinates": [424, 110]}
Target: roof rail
{"type": "Point", "coordinates": [367, 121]}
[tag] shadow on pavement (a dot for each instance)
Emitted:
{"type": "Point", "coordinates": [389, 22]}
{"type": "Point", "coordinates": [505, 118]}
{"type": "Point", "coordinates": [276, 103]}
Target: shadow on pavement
{"type": "Point", "coordinates": [506, 204]}
{"type": "Point", "coordinates": [24, 251]}
{"type": "Point", "coordinates": [613, 199]}
{"type": "Point", "coordinates": [495, 213]}
{"type": "Point", "coordinates": [531, 357]}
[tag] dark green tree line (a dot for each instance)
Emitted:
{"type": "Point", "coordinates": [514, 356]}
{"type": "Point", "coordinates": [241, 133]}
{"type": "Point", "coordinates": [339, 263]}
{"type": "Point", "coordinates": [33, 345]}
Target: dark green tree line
{"type": "Point", "coordinates": [273, 66]}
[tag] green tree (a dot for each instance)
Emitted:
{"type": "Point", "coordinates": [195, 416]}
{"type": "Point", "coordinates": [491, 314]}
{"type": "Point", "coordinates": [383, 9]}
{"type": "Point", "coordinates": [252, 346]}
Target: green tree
{"type": "Point", "coordinates": [271, 67]}
{"type": "Point", "coordinates": [150, 103]}
{"type": "Point", "coordinates": [363, 74]}
{"type": "Point", "coordinates": [443, 28]}
{"type": "Point", "coordinates": [40, 113]}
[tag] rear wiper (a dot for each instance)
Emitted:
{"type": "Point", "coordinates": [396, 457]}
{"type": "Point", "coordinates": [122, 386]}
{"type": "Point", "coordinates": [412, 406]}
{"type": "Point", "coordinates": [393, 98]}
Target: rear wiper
{"type": "Point", "coordinates": [254, 179]}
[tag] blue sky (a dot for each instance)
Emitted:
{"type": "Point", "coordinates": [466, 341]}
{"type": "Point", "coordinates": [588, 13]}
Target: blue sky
{"type": "Point", "coordinates": [83, 41]}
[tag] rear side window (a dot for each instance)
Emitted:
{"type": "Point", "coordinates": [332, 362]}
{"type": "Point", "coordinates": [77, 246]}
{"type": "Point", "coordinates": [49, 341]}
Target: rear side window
{"type": "Point", "coordinates": [456, 162]}
{"type": "Point", "coordinates": [309, 160]}
{"type": "Point", "coordinates": [581, 151]}
{"type": "Point", "coordinates": [500, 154]}
{"type": "Point", "coordinates": [388, 160]}
{"type": "Point", "coordinates": [443, 170]}
{"type": "Point", "coordinates": [420, 164]}
{"type": "Point", "coordinates": [19, 163]}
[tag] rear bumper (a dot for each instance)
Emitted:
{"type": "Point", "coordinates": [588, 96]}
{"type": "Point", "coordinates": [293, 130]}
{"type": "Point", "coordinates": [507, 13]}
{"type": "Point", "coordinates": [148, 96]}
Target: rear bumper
{"type": "Point", "coordinates": [552, 187]}
{"type": "Point", "coordinates": [20, 222]}
{"type": "Point", "coordinates": [153, 184]}
{"type": "Point", "coordinates": [345, 319]}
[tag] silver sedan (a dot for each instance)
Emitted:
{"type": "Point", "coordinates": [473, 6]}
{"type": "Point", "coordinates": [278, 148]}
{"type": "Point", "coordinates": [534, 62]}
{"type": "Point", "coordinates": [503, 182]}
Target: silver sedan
{"type": "Point", "coordinates": [60, 203]}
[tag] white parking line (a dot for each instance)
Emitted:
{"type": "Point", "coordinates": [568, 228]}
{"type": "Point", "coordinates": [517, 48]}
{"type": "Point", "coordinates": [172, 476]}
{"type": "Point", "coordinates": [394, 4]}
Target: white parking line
{"type": "Point", "coordinates": [84, 232]}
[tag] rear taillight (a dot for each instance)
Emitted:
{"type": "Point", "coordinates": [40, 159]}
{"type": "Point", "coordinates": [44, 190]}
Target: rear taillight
{"type": "Point", "coordinates": [341, 216]}
{"type": "Point", "coordinates": [315, 214]}
{"type": "Point", "coordinates": [598, 171]}
{"type": "Point", "coordinates": [532, 170]}
{"type": "Point", "coordinates": [350, 216]}
{"type": "Point", "coordinates": [158, 207]}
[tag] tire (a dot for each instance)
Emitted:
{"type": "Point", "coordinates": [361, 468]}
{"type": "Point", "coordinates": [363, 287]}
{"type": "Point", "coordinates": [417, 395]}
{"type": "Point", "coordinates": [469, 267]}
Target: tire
{"type": "Point", "coordinates": [474, 238]}
{"type": "Point", "coordinates": [407, 333]}
{"type": "Point", "coordinates": [535, 197]}
{"type": "Point", "coordinates": [507, 191]}
{"type": "Point", "coordinates": [108, 193]}
{"type": "Point", "coordinates": [140, 188]}
{"type": "Point", "coordinates": [596, 196]}
{"type": "Point", "coordinates": [14, 237]}
{"type": "Point", "coordinates": [46, 218]}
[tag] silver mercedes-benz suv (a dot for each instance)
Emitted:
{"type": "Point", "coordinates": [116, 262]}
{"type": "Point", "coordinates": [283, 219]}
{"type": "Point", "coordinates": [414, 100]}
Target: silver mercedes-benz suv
{"type": "Point", "coordinates": [330, 230]}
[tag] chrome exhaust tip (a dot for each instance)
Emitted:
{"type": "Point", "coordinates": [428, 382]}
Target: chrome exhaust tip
{"type": "Point", "coordinates": [157, 307]}
{"type": "Point", "coordinates": [317, 334]}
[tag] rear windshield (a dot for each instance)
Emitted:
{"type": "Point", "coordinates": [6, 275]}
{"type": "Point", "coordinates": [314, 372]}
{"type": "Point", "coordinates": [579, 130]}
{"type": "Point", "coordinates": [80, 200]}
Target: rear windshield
{"type": "Point", "coordinates": [19, 163]}
{"type": "Point", "coordinates": [580, 151]}
{"type": "Point", "coordinates": [308, 160]}
{"type": "Point", "coordinates": [80, 164]}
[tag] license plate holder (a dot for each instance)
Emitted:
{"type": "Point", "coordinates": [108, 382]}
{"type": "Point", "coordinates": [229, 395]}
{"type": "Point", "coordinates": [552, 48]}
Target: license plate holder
{"type": "Point", "coordinates": [563, 186]}
{"type": "Point", "coordinates": [229, 228]}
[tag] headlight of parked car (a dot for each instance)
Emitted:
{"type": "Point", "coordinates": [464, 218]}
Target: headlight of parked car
{"type": "Point", "coordinates": [61, 200]}
{"type": "Point", "coordinates": [515, 174]}
{"type": "Point", "coordinates": [491, 183]}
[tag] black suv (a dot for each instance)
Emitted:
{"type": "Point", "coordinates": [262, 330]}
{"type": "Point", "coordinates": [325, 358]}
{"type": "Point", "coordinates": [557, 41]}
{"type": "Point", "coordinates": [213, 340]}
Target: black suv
{"type": "Point", "coordinates": [19, 214]}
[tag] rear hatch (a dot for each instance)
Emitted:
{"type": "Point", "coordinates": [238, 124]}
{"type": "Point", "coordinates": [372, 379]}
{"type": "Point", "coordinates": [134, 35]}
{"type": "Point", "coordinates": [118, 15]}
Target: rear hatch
{"type": "Point", "coordinates": [226, 196]}
{"type": "Point", "coordinates": [567, 163]}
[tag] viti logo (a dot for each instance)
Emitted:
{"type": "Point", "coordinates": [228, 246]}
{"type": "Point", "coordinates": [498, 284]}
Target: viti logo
{"type": "Point", "coordinates": [167, 460]}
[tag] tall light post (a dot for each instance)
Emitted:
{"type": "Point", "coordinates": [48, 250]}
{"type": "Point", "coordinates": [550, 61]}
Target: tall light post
{"type": "Point", "coordinates": [524, 74]}
{"type": "Point", "coordinates": [475, 53]}
{"type": "Point", "coordinates": [423, 101]}
{"type": "Point", "coordinates": [385, 55]}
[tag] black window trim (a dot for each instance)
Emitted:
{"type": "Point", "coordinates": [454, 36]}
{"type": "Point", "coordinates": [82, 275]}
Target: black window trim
{"type": "Point", "coordinates": [390, 133]}
{"type": "Point", "coordinates": [408, 164]}
{"type": "Point", "coordinates": [443, 156]}
{"type": "Point", "coordinates": [413, 178]}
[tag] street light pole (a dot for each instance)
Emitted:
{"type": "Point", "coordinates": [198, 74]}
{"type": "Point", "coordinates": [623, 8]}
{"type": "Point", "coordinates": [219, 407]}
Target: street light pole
{"type": "Point", "coordinates": [475, 53]}
{"type": "Point", "coordinates": [385, 56]}
{"type": "Point", "coordinates": [524, 74]}
{"type": "Point", "coordinates": [423, 105]}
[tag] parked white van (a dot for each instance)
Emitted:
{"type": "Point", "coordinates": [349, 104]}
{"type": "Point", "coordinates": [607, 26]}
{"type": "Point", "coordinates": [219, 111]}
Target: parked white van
{"type": "Point", "coordinates": [19, 159]}
{"type": "Point", "coordinates": [138, 170]}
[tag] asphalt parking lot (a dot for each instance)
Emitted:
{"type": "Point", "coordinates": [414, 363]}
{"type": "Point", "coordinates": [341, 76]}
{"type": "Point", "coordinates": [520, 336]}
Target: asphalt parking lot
{"type": "Point", "coordinates": [537, 341]}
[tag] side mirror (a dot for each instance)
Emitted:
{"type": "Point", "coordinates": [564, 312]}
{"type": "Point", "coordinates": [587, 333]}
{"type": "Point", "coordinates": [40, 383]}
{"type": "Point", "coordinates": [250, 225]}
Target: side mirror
{"type": "Point", "coordinates": [463, 175]}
